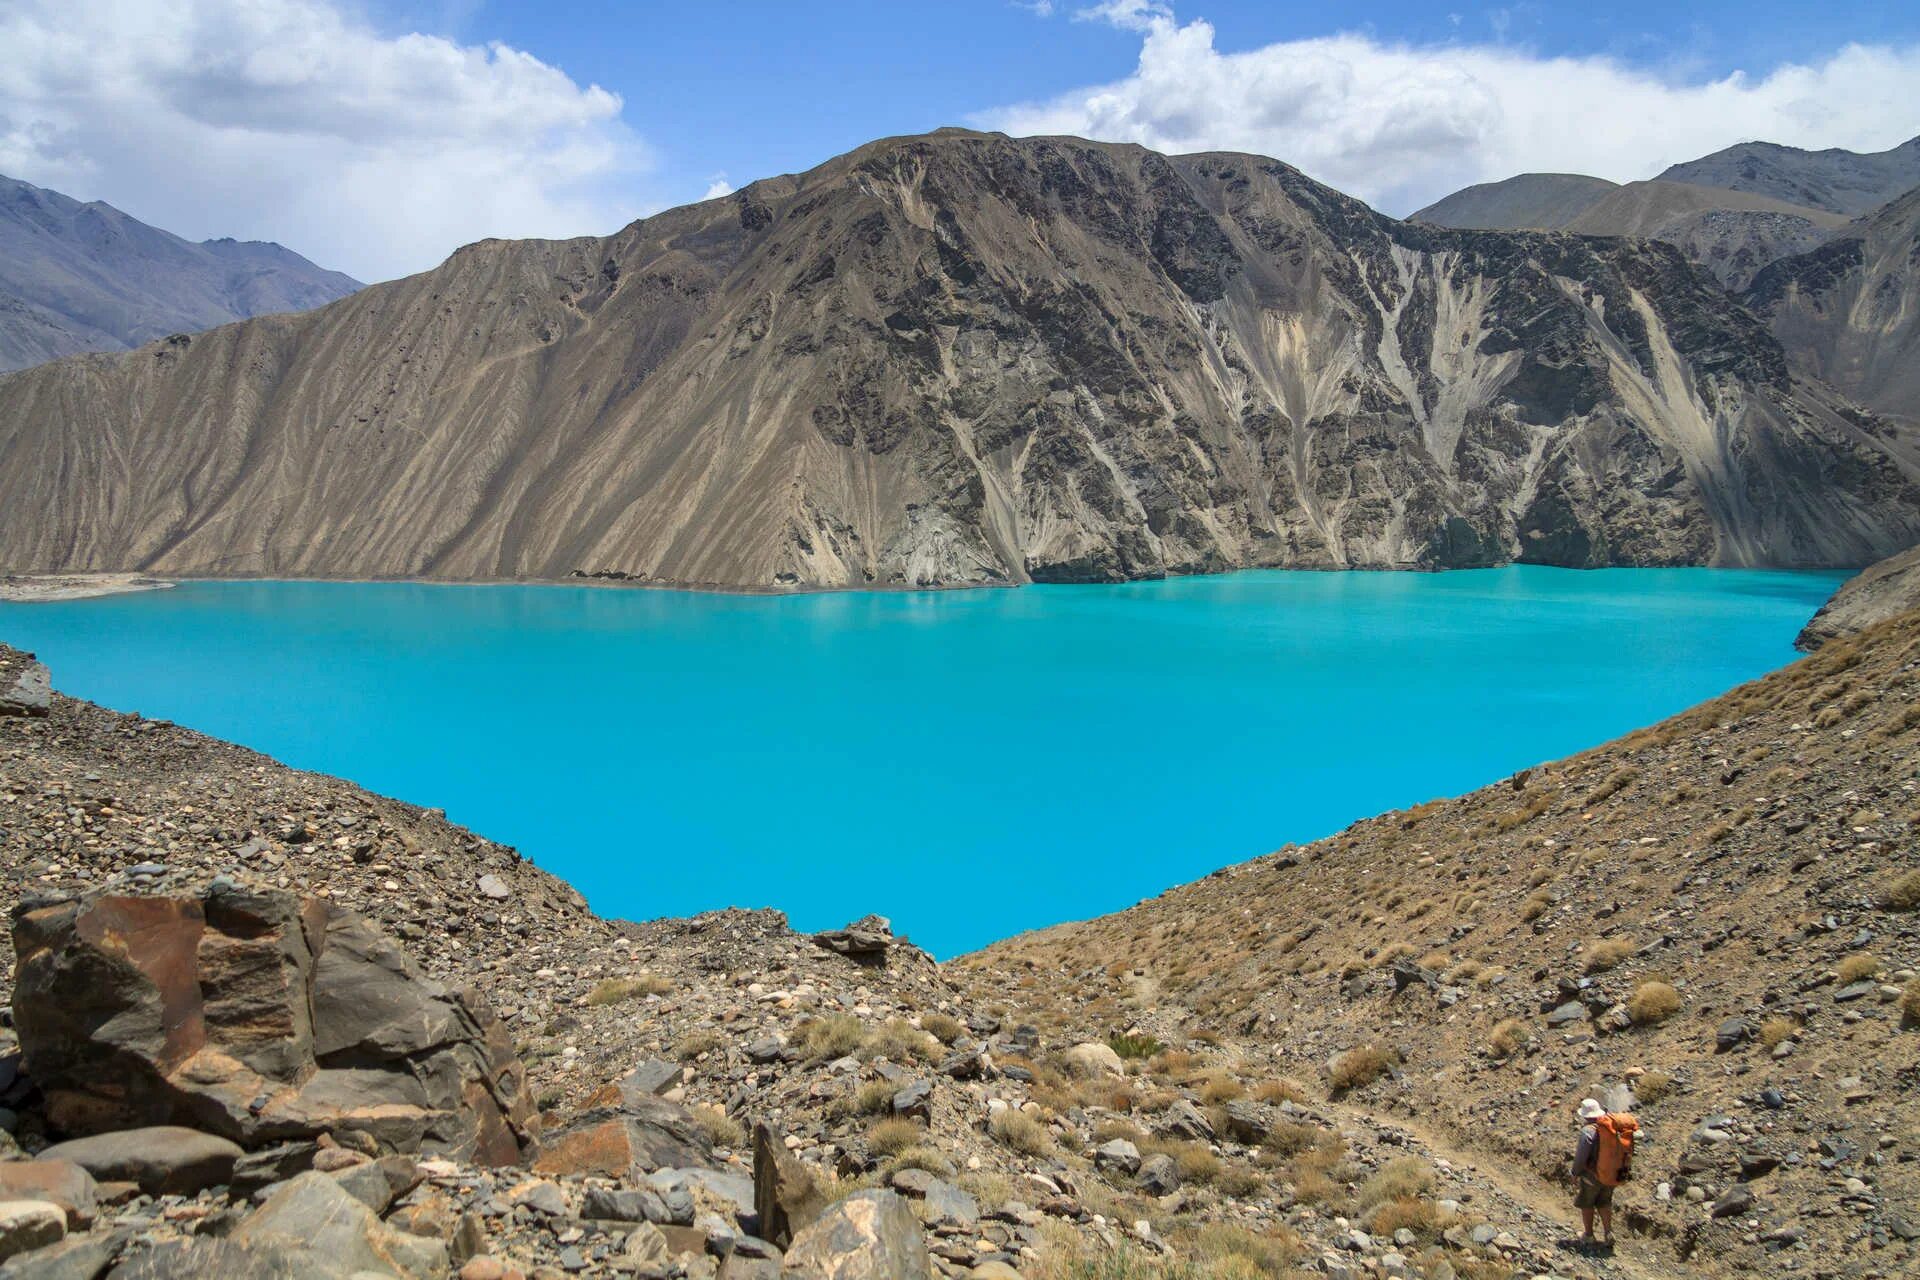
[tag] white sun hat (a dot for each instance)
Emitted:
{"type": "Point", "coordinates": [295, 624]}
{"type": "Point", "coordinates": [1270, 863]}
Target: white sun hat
{"type": "Point", "coordinates": [1591, 1110]}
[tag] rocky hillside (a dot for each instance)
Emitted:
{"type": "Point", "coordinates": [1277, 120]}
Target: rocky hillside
{"type": "Point", "coordinates": [1835, 179]}
{"type": "Point", "coordinates": [1876, 593]}
{"type": "Point", "coordinates": [1850, 310]}
{"type": "Point", "coordinates": [86, 277]}
{"type": "Point", "coordinates": [966, 359]}
{"type": "Point", "coordinates": [1524, 202]}
{"type": "Point", "coordinates": [1713, 920]}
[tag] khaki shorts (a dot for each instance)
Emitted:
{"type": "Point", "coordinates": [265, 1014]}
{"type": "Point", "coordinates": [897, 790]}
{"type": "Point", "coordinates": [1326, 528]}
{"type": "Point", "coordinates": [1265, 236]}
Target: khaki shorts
{"type": "Point", "coordinates": [1593, 1194]}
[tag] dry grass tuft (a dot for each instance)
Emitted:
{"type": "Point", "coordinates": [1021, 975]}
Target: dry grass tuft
{"type": "Point", "coordinates": [892, 1136]}
{"type": "Point", "coordinates": [1902, 893]}
{"type": "Point", "coordinates": [943, 1027]}
{"type": "Point", "coordinates": [1508, 1037]}
{"type": "Point", "coordinates": [1775, 1030]}
{"type": "Point", "coordinates": [722, 1130]}
{"type": "Point", "coordinates": [1360, 1067]}
{"type": "Point", "coordinates": [1653, 1002]}
{"type": "Point", "coordinates": [1607, 954]}
{"type": "Point", "coordinates": [621, 990]}
{"type": "Point", "coordinates": [1020, 1132]}
{"type": "Point", "coordinates": [1859, 965]}
{"type": "Point", "coordinates": [1653, 1086]}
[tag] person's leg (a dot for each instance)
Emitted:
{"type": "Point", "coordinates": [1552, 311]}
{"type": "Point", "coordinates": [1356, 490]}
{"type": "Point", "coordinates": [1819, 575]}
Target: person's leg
{"type": "Point", "coordinates": [1586, 1222]}
{"type": "Point", "coordinates": [1606, 1222]}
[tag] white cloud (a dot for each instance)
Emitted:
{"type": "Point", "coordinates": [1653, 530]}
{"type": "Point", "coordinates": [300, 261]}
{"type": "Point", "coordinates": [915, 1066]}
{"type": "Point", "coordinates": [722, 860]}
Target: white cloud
{"type": "Point", "coordinates": [290, 120]}
{"type": "Point", "coordinates": [1400, 125]}
{"type": "Point", "coordinates": [718, 187]}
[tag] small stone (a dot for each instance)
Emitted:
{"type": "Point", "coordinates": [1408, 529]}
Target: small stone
{"type": "Point", "coordinates": [30, 1224]}
{"type": "Point", "coordinates": [492, 886]}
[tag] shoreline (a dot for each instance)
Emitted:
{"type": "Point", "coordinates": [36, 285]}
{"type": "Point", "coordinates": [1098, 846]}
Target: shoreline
{"type": "Point", "coordinates": [49, 588]}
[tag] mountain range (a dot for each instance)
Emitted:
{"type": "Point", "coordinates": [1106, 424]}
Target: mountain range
{"type": "Point", "coordinates": [78, 277]}
{"type": "Point", "coordinates": [964, 358]}
{"type": "Point", "coordinates": [1733, 212]}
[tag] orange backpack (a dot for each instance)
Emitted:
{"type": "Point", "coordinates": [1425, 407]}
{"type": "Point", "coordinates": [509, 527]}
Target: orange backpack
{"type": "Point", "coordinates": [1613, 1147]}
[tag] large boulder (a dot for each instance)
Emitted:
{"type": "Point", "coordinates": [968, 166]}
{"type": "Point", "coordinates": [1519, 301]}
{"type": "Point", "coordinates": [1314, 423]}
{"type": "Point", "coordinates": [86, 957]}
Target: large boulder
{"type": "Point", "coordinates": [259, 1016]}
{"type": "Point", "coordinates": [164, 1160]}
{"type": "Point", "coordinates": [870, 1235]}
{"type": "Point", "coordinates": [628, 1141]}
{"type": "Point", "coordinates": [25, 687]}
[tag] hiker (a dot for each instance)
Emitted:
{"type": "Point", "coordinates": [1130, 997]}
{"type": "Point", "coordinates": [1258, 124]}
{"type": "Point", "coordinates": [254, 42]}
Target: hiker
{"type": "Point", "coordinates": [1602, 1160]}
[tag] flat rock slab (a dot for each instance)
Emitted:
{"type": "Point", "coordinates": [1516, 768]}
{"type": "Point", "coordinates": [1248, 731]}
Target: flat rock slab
{"type": "Point", "coordinates": [871, 1235]}
{"type": "Point", "coordinates": [165, 1160]}
{"type": "Point", "coordinates": [30, 1224]}
{"type": "Point", "coordinates": [63, 1182]}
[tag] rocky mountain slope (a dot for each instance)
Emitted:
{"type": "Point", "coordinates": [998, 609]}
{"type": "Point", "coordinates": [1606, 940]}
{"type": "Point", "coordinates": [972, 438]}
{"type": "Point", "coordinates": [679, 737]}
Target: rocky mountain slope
{"type": "Point", "coordinates": [1849, 311]}
{"type": "Point", "coordinates": [966, 359]}
{"type": "Point", "coordinates": [1840, 181]}
{"type": "Point", "coordinates": [1524, 202]}
{"type": "Point", "coordinates": [1732, 212]}
{"type": "Point", "coordinates": [1712, 920]}
{"type": "Point", "coordinates": [86, 277]}
{"type": "Point", "coordinates": [1875, 593]}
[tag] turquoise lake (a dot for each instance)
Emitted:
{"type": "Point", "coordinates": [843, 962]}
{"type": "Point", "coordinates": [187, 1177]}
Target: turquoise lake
{"type": "Point", "coordinates": [968, 763]}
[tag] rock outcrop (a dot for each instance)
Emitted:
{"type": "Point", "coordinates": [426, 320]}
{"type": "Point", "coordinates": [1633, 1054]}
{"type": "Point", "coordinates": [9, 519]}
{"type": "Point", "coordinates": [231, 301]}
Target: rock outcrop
{"type": "Point", "coordinates": [1849, 311]}
{"type": "Point", "coordinates": [1876, 593]}
{"type": "Point", "coordinates": [967, 359]}
{"type": "Point", "coordinates": [260, 1017]}
{"type": "Point", "coordinates": [26, 687]}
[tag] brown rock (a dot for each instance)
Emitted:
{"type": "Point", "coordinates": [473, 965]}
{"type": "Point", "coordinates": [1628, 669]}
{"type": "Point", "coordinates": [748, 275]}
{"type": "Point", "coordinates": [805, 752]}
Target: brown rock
{"type": "Point", "coordinates": [641, 1136]}
{"type": "Point", "coordinates": [258, 1016]}
{"type": "Point", "coordinates": [162, 1159]}
{"type": "Point", "coordinates": [784, 1194]}
{"type": "Point", "coordinates": [60, 1181]}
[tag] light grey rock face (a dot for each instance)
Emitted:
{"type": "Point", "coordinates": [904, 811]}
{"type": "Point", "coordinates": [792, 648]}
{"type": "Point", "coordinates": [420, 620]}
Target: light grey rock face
{"type": "Point", "coordinates": [992, 360]}
{"type": "Point", "coordinates": [26, 688]}
{"type": "Point", "coordinates": [871, 1235]}
{"type": "Point", "coordinates": [1878, 592]}
{"type": "Point", "coordinates": [1849, 182]}
{"type": "Point", "coordinates": [1848, 312]}
{"type": "Point", "coordinates": [313, 1215]}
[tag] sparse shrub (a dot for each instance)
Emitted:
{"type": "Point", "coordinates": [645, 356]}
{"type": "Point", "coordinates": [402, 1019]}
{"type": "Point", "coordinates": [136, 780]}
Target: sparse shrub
{"type": "Point", "coordinates": [1359, 1067]}
{"type": "Point", "coordinates": [834, 1036]}
{"type": "Point", "coordinates": [1310, 1186]}
{"type": "Point", "coordinates": [1653, 1086]}
{"type": "Point", "coordinates": [1229, 1251]}
{"type": "Point", "coordinates": [1277, 1091]}
{"type": "Point", "coordinates": [1859, 965]}
{"type": "Point", "coordinates": [1653, 1002]}
{"type": "Point", "coordinates": [1616, 782]}
{"type": "Point", "coordinates": [1173, 1062]}
{"type": "Point", "coordinates": [1910, 1001]}
{"type": "Point", "coordinates": [1422, 1217]}
{"type": "Point", "coordinates": [891, 1136]}
{"type": "Point", "coordinates": [1020, 1132]}
{"type": "Point", "coordinates": [1535, 906]}
{"type": "Point", "coordinates": [1401, 1178]}
{"type": "Point", "coordinates": [922, 1156]}
{"type": "Point", "coordinates": [1289, 1138]}
{"type": "Point", "coordinates": [898, 1040]}
{"type": "Point", "coordinates": [1133, 1047]}
{"type": "Point", "coordinates": [943, 1027]}
{"type": "Point", "coordinates": [1220, 1087]}
{"type": "Point", "coordinates": [1607, 954]}
{"type": "Point", "coordinates": [1774, 1030]}
{"type": "Point", "coordinates": [695, 1043]}
{"type": "Point", "coordinates": [1903, 893]}
{"type": "Point", "coordinates": [621, 990]}
{"type": "Point", "coordinates": [1508, 1036]}
{"type": "Point", "coordinates": [874, 1097]}
{"type": "Point", "coordinates": [722, 1130]}
{"type": "Point", "coordinates": [1392, 952]}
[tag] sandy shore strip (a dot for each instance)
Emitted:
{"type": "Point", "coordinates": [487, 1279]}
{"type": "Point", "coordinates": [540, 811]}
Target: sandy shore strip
{"type": "Point", "coordinates": [42, 588]}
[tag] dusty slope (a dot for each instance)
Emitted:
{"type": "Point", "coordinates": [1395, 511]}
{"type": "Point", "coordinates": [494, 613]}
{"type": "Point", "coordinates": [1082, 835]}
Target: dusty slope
{"type": "Point", "coordinates": [1848, 182]}
{"type": "Point", "coordinates": [1850, 310]}
{"type": "Point", "coordinates": [1526, 201]}
{"type": "Point", "coordinates": [963, 358]}
{"type": "Point", "coordinates": [1743, 852]}
{"type": "Point", "coordinates": [86, 277]}
{"type": "Point", "coordinates": [1876, 593]}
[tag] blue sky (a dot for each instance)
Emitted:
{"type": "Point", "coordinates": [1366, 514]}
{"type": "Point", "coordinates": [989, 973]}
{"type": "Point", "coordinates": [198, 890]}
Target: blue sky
{"type": "Point", "coordinates": [752, 89]}
{"type": "Point", "coordinates": [375, 136]}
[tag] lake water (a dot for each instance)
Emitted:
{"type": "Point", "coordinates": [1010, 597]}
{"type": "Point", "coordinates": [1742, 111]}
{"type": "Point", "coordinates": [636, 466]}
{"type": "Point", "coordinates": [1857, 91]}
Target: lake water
{"type": "Point", "coordinates": [969, 763]}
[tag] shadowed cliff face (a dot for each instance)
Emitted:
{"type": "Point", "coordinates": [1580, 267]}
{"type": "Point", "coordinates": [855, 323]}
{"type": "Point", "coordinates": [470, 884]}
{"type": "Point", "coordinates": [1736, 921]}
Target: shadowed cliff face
{"type": "Point", "coordinates": [957, 359]}
{"type": "Point", "coordinates": [1850, 310]}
